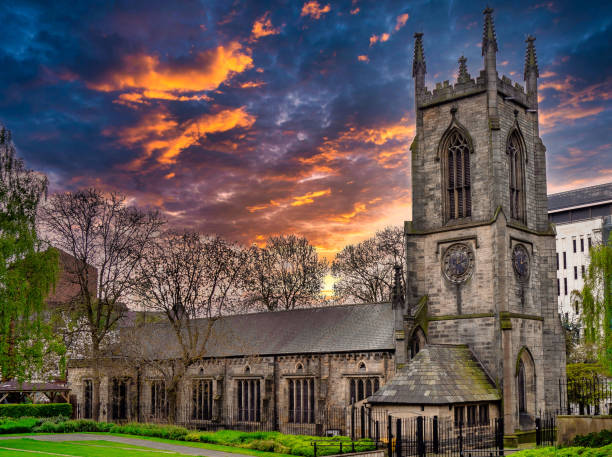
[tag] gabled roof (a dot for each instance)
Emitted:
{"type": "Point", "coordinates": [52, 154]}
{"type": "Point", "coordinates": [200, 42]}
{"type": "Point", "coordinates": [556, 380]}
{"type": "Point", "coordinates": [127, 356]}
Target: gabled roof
{"type": "Point", "coordinates": [439, 374]}
{"type": "Point", "coordinates": [587, 196]}
{"type": "Point", "coordinates": [348, 328]}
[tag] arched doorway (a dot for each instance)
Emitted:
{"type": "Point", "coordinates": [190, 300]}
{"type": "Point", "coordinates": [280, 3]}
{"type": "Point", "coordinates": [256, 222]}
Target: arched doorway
{"type": "Point", "coordinates": [525, 389]}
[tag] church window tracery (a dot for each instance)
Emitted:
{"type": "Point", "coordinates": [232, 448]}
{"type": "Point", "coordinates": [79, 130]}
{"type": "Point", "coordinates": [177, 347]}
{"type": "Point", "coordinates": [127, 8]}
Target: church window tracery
{"type": "Point", "coordinates": [515, 151]}
{"type": "Point", "coordinates": [457, 176]}
{"type": "Point", "coordinates": [248, 400]}
{"type": "Point", "coordinates": [158, 398]}
{"type": "Point", "coordinates": [362, 388]}
{"type": "Point", "coordinates": [301, 400]}
{"type": "Point", "coordinates": [202, 399]}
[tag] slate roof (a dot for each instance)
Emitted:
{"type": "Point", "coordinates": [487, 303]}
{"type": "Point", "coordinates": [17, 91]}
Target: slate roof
{"type": "Point", "coordinates": [438, 374]}
{"type": "Point", "coordinates": [349, 328]}
{"type": "Point", "coordinates": [580, 197]}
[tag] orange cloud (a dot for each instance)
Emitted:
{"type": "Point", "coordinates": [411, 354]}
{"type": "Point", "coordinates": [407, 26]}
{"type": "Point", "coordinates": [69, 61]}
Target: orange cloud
{"type": "Point", "coordinates": [346, 217]}
{"type": "Point", "coordinates": [314, 10]}
{"type": "Point", "coordinates": [379, 38]}
{"type": "Point", "coordinates": [363, 58]}
{"type": "Point", "coordinates": [263, 27]}
{"type": "Point", "coordinates": [158, 133]}
{"type": "Point", "coordinates": [252, 84]}
{"type": "Point", "coordinates": [401, 21]}
{"type": "Point", "coordinates": [145, 74]}
{"type": "Point", "coordinates": [355, 10]}
{"type": "Point", "coordinates": [548, 74]}
{"type": "Point", "coordinates": [309, 197]}
{"type": "Point", "coordinates": [575, 104]}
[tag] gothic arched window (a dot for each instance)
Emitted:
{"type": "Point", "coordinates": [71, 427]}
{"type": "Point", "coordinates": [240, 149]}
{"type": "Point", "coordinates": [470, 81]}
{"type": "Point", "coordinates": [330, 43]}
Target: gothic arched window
{"type": "Point", "coordinates": [514, 149]}
{"type": "Point", "coordinates": [521, 388]}
{"type": "Point", "coordinates": [457, 176]}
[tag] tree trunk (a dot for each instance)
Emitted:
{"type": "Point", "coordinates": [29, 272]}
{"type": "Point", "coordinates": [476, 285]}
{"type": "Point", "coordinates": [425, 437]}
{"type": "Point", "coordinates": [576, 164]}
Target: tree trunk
{"type": "Point", "coordinates": [95, 352]}
{"type": "Point", "coordinates": [172, 394]}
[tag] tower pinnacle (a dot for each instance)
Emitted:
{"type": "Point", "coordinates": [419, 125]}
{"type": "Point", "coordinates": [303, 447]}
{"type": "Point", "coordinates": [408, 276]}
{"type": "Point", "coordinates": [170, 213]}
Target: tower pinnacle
{"type": "Point", "coordinates": [488, 35]}
{"type": "Point", "coordinates": [531, 61]}
{"type": "Point", "coordinates": [463, 76]}
{"type": "Point", "coordinates": [418, 63]}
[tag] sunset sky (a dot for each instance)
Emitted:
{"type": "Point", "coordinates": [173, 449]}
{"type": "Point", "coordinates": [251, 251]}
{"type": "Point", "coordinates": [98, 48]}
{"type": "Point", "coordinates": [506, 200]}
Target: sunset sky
{"type": "Point", "coordinates": [255, 118]}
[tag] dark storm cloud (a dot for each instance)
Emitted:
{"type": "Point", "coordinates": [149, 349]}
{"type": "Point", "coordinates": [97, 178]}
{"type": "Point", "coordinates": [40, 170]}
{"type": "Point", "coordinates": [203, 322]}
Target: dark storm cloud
{"type": "Point", "coordinates": [255, 118]}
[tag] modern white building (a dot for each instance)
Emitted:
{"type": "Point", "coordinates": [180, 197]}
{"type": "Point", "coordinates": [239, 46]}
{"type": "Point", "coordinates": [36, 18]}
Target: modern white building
{"type": "Point", "coordinates": [583, 219]}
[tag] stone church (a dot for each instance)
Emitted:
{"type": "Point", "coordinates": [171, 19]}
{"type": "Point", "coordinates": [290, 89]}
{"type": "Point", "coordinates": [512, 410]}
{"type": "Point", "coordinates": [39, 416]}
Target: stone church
{"type": "Point", "coordinates": [476, 335]}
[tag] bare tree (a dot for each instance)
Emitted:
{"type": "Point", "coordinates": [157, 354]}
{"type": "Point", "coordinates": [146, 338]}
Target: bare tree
{"type": "Point", "coordinates": [99, 231]}
{"type": "Point", "coordinates": [184, 277]}
{"type": "Point", "coordinates": [364, 271]}
{"type": "Point", "coordinates": [287, 273]}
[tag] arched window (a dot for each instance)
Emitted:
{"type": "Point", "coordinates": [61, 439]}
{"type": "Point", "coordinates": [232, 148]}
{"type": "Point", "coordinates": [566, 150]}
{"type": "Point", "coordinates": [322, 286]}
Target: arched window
{"type": "Point", "coordinates": [299, 368]}
{"type": "Point", "coordinates": [362, 367]}
{"type": "Point", "coordinates": [514, 149]}
{"type": "Point", "coordinates": [457, 176]}
{"type": "Point", "coordinates": [521, 388]}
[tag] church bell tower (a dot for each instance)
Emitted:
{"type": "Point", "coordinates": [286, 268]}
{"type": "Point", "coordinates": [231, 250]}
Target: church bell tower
{"type": "Point", "coordinates": [481, 252]}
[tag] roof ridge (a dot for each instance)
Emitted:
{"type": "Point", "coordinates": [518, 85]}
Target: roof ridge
{"type": "Point", "coordinates": [581, 189]}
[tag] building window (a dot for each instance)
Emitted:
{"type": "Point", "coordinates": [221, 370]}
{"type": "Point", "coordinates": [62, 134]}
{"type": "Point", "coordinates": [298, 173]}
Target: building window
{"type": "Point", "coordinates": [483, 411]}
{"type": "Point", "coordinates": [362, 388]}
{"type": "Point", "coordinates": [301, 401]}
{"type": "Point", "coordinates": [521, 388]}
{"type": "Point", "coordinates": [472, 411]}
{"type": "Point", "coordinates": [158, 398]}
{"type": "Point", "coordinates": [583, 271]}
{"type": "Point", "coordinates": [119, 399]}
{"type": "Point", "coordinates": [590, 243]}
{"type": "Point", "coordinates": [557, 261]}
{"type": "Point", "coordinates": [514, 149]}
{"type": "Point", "coordinates": [459, 420]}
{"type": "Point", "coordinates": [565, 285]}
{"type": "Point", "coordinates": [457, 177]}
{"type": "Point", "coordinates": [248, 400]}
{"type": "Point", "coordinates": [564, 261]}
{"type": "Point", "coordinates": [202, 399]}
{"type": "Point", "coordinates": [574, 244]}
{"type": "Point", "coordinates": [362, 367]}
{"type": "Point", "coordinates": [581, 244]}
{"type": "Point", "coordinates": [575, 272]}
{"type": "Point", "coordinates": [87, 399]}
{"type": "Point", "coordinates": [558, 288]}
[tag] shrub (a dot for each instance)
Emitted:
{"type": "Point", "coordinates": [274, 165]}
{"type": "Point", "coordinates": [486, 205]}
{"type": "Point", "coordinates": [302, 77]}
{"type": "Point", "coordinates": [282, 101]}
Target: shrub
{"type": "Point", "coordinates": [36, 410]}
{"type": "Point", "coordinates": [22, 425]}
{"type": "Point", "coordinates": [594, 439]}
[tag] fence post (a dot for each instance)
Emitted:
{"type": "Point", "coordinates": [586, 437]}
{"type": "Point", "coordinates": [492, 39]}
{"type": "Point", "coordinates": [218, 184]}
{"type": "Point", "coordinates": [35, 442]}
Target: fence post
{"type": "Point", "coordinates": [435, 436]}
{"type": "Point", "coordinates": [398, 438]}
{"type": "Point", "coordinates": [538, 424]}
{"type": "Point", "coordinates": [362, 421]}
{"type": "Point", "coordinates": [315, 449]}
{"type": "Point", "coordinates": [352, 421]}
{"type": "Point", "coordinates": [389, 437]}
{"type": "Point", "coordinates": [500, 429]}
{"type": "Point", "coordinates": [420, 437]}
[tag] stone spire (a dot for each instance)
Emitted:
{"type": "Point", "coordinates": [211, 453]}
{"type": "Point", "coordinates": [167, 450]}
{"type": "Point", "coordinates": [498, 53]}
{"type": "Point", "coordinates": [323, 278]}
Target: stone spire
{"type": "Point", "coordinates": [531, 61]}
{"type": "Point", "coordinates": [418, 63]}
{"type": "Point", "coordinates": [418, 67]}
{"type": "Point", "coordinates": [489, 50]}
{"type": "Point", "coordinates": [531, 72]}
{"type": "Point", "coordinates": [488, 35]}
{"type": "Point", "coordinates": [397, 291]}
{"type": "Point", "coordinates": [463, 76]}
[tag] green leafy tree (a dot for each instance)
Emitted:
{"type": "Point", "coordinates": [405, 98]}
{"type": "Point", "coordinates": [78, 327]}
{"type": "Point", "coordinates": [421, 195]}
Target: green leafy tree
{"type": "Point", "coordinates": [28, 271]}
{"type": "Point", "coordinates": [596, 301]}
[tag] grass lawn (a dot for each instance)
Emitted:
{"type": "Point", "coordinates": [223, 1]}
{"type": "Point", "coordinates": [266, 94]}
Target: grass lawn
{"type": "Point", "coordinates": [214, 447]}
{"type": "Point", "coordinates": [27, 447]}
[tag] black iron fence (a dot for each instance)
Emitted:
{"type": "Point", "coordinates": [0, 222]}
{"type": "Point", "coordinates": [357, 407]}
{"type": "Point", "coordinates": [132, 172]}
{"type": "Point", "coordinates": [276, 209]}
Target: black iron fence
{"type": "Point", "coordinates": [421, 436]}
{"type": "Point", "coordinates": [592, 396]}
{"type": "Point", "coordinates": [546, 429]}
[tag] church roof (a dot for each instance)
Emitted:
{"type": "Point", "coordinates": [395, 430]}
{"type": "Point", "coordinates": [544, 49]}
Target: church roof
{"type": "Point", "coordinates": [348, 328]}
{"type": "Point", "coordinates": [439, 374]}
{"type": "Point", "coordinates": [587, 196]}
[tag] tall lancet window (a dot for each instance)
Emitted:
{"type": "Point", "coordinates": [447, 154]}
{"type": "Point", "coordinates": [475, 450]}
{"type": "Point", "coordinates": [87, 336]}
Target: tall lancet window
{"type": "Point", "coordinates": [459, 198]}
{"type": "Point", "coordinates": [514, 149]}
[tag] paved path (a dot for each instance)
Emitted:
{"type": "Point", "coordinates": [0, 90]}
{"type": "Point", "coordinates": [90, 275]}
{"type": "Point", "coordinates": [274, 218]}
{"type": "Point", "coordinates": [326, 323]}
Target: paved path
{"type": "Point", "coordinates": [188, 450]}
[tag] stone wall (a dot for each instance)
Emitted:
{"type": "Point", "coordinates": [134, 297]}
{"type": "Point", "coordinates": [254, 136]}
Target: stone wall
{"type": "Point", "coordinates": [570, 426]}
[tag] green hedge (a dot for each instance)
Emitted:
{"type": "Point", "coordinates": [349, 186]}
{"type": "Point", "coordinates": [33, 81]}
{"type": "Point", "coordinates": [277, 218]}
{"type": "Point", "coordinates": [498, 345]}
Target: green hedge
{"type": "Point", "coordinates": [36, 410]}
{"type": "Point", "coordinates": [594, 439]}
{"type": "Point", "coordinates": [605, 451]}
